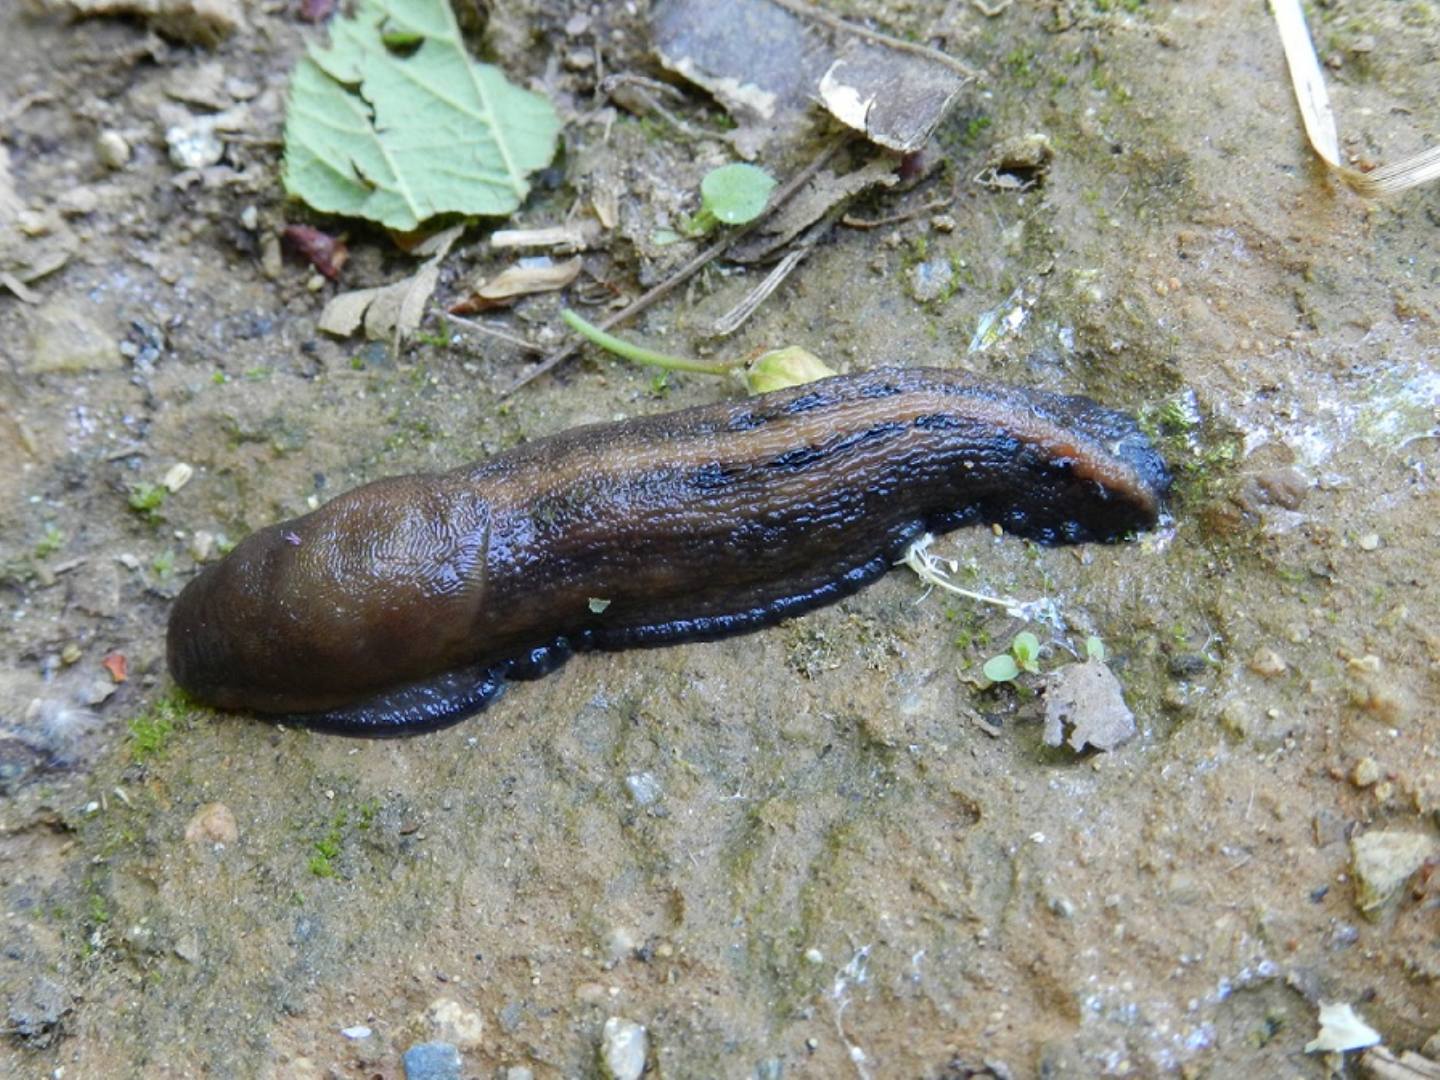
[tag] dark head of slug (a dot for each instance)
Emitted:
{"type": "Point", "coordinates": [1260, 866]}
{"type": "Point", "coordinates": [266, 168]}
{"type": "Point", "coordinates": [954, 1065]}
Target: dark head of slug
{"type": "Point", "coordinates": [1100, 480]}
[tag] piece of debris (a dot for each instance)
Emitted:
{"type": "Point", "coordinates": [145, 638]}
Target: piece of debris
{"type": "Point", "coordinates": [327, 254]}
{"type": "Point", "coordinates": [391, 312]}
{"type": "Point", "coordinates": [1086, 698]}
{"type": "Point", "coordinates": [1382, 1064]}
{"type": "Point", "coordinates": [1017, 164]}
{"type": "Point", "coordinates": [398, 135]}
{"type": "Point", "coordinates": [1341, 1030]}
{"type": "Point", "coordinates": [533, 275]}
{"type": "Point", "coordinates": [574, 237]}
{"type": "Point", "coordinates": [1383, 859]}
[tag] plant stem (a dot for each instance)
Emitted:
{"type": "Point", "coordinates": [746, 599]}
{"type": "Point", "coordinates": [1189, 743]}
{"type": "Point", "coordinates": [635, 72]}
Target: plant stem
{"type": "Point", "coordinates": [639, 355]}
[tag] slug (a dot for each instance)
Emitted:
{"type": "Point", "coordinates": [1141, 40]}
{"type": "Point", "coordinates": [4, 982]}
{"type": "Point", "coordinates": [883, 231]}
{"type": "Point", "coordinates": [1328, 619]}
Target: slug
{"type": "Point", "coordinates": [406, 604]}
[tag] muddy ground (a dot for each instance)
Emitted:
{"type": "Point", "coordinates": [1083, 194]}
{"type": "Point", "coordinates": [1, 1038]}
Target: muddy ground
{"type": "Point", "coordinates": [822, 849]}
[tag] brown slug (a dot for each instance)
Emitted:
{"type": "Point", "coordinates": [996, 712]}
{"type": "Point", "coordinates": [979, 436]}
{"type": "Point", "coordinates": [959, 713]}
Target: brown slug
{"type": "Point", "coordinates": [406, 604]}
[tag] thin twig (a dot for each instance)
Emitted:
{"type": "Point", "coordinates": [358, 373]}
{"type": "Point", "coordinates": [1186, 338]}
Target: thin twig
{"type": "Point", "coordinates": [809, 11]}
{"type": "Point", "coordinates": [736, 317]}
{"type": "Point", "coordinates": [686, 272]}
{"type": "Point", "coordinates": [895, 219]}
{"type": "Point", "coordinates": [481, 328]}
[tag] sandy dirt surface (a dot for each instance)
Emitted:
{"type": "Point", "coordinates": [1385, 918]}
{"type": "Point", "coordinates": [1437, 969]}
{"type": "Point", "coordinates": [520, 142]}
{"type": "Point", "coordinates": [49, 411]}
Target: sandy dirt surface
{"type": "Point", "coordinates": [821, 850]}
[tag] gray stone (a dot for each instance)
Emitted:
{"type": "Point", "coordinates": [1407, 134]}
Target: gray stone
{"type": "Point", "coordinates": [432, 1061]}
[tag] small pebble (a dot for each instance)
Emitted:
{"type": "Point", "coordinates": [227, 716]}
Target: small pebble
{"type": "Point", "coordinates": [943, 223]}
{"type": "Point", "coordinates": [931, 279]}
{"type": "Point", "coordinates": [814, 956]}
{"type": "Point", "coordinates": [623, 1048]}
{"type": "Point", "coordinates": [70, 654]}
{"type": "Point", "coordinates": [213, 823]}
{"type": "Point", "coordinates": [250, 218]}
{"type": "Point", "coordinates": [1369, 542]}
{"type": "Point", "coordinates": [643, 788]}
{"type": "Point", "coordinates": [1365, 773]}
{"type": "Point", "coordinates": [432, 1061]}
{"type": "Point", "coordinates": [113, 150]}
{"type": "Point", "coordinates": [194, 145]}
{"type": "Point", "coordinates": [452, 1022]}
{"type": "Point", "coordinates": [519, 1072]}
{"type": "Point", "coordinates": [202, 545]}
{"type": "Point", "coordinates": [1268, 664]}
{"type": "Point", "coordinates": [177, 476]}
{"type": "Point", "coordinates": [359, 1031]}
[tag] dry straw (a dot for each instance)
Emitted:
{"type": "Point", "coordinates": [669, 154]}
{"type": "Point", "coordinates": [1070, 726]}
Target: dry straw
{"type": "Point", "coordinates": [1320, 117]}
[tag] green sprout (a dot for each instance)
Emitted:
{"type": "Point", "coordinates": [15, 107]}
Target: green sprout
{"type": "Point", "coordinates": [772, 370]}
{"type": "Point", "coordinates": [328, 847]}
{"type": "Point", "coordinates": [146, 500]}
{"type": "Point", "coordinates": [151, 732]}
{"type": "Point", "coordinates": [1094, 649]}
{"type": "Point", "coordinates": [51, 542]}
{"type": "Point", "coordinates": [1023, 656]}
{"type": "Point", "coordinates": [731, 195]}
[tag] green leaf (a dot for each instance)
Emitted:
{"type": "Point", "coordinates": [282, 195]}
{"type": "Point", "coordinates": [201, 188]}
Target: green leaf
{"type": "Point", "coordinates": [735, 193]}
{"type": "Point", "coordinates": [1001, 668]}
{"type": "Point", "coordinates": [395, 123]}
{"type": "Point", "coordinates": [1094, 649]}
{"type": "Point", "coordinates": [1026, 650]}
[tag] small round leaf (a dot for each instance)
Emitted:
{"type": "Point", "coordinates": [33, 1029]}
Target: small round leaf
{"type": "Point", "coordinates": [736, 193]}
{"type": "Point", "coordinates": [1001, 668]}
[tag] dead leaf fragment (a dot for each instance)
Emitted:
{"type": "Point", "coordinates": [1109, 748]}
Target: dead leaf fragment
{"type": "Point", "coordinates": [526, 277]}
{"type": "Point", "coordinates": [117, 666]}
{"type": "Point", "coordinates": [327, 254]}
{"type": "Point", "coordinates": [391, 312]}
{"type": "Point", "coordinates": [1088, 699]}
{"type": "Point", "coordinates": [574, 237]}
{"type": "Point", "coordinates": [895, 99]}
{"type": "Point", "coordinates": [758, 60]}
{"type": "Point", "coordinates": [1340, 1030]}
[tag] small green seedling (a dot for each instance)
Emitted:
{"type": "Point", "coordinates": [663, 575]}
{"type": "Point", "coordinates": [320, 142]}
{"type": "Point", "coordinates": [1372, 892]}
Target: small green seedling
{"type": "Point", "coordinates": [772, 370]}
{"type": "Point", "coordinates": [146, 500]}
{"type": "Point", "coordinates": [1094, 649]}
{"type": "Point", "coordinates": [1024, 655]}
{"type": "Point", "coordinates": [731, 195]}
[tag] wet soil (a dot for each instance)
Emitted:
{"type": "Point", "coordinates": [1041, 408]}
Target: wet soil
{"type": "Point", "coordinates": [822, 849]}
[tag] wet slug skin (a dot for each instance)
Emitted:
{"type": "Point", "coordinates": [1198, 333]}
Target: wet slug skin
{"type": "Point", "coordinates": [406, 604]}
